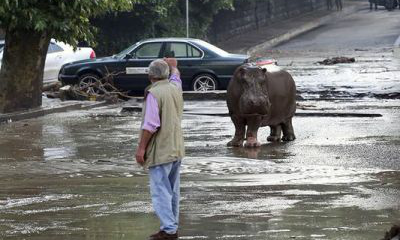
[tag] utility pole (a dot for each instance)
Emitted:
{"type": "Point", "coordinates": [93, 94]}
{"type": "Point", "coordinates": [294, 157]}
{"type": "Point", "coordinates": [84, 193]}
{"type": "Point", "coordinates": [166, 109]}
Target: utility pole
{"type": "Point", "coordinates": [187, 18]}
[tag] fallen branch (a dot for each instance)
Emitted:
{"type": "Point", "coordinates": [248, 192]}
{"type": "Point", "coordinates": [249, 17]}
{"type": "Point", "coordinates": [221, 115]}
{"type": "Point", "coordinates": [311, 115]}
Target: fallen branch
{"type": "Point", "coordinates": [97, 90]}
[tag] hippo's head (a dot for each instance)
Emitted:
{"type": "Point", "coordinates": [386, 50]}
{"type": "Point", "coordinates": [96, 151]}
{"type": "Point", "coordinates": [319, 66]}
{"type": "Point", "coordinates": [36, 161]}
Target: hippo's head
{"type": "Point", "coordinates": [254, 98]}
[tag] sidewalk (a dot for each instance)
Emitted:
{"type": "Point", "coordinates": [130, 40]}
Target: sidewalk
{"type": "Point", "coordinates": [269, 36]}
{"type": "Point", "coordinates": [49, 106]}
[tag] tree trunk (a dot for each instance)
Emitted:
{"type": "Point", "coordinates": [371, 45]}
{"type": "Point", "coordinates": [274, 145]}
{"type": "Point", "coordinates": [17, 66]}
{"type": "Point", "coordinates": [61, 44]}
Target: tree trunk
{"type": "Point", "coordinates": [21, 74]}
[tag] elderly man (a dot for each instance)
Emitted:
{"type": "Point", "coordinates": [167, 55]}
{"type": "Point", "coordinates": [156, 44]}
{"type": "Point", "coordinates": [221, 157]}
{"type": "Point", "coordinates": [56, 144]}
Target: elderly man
{"type": "Point", "coordinates": [161, 146]}
{"type": "Point", "coordinates": [329, 4]}
{"type": "Point", "coordinates": [339, 5]}
{"type": "Point", "coordinates": [373, 2]}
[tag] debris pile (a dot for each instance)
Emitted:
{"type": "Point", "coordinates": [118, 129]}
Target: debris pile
{"type": "Point", "coordinates": [94, 90]}
{"type": "Point", "coordinates": [336, 60]}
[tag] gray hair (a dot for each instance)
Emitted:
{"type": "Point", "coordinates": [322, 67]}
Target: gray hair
{"type": "Point", "coordinates": [159, 69]}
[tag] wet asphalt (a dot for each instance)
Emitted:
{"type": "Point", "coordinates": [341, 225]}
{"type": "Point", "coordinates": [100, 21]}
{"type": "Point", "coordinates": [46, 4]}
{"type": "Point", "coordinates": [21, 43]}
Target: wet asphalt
{"type": "Point", "coordinates": [73, 176]}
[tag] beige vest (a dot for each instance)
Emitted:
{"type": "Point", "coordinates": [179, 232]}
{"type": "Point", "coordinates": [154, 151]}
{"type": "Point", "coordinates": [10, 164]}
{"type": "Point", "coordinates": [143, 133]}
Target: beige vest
{"type": "Point", "coordinates": [166, 145]}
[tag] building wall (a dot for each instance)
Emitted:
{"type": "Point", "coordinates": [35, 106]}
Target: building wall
{"type": "Point", "coordinates": [251, 14]}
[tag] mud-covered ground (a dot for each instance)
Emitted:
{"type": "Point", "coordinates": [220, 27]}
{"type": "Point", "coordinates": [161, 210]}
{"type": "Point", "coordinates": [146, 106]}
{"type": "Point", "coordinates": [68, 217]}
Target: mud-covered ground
{"type": "Point", "coordinates": [73, 175]}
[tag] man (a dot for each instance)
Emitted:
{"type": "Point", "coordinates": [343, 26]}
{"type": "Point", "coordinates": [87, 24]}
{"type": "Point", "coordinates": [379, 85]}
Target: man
{"type": "Point", "coordinates": [161, 146]}
{"type": "Point", "coordinates": [329, 4]}
{"type": "Point", "coordinates": [373, 2]}
{"type": "Point", "coordinates": [339, 5]}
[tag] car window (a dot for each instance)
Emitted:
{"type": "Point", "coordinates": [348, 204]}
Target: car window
{"type": "Point", "coordinates": [149, 50]}
{"type": "Point", "coordinates": [183, 50]}
{"type": "Point", "coordinates": [126, 51]}
{"type": "Point", "coordinates": [212, 48]}
{"type": "Point", "coordinates": [54, 48]}
{"type": "Point", "coordinates": [57, 48]}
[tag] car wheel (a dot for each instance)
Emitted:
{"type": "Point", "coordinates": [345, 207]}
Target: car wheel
{"type": "Point", "coordinates": [90, 83]}
{"type": "Point", "coordinates": [204, 83]}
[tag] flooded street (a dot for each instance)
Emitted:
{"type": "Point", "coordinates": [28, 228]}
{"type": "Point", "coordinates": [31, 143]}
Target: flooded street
{"type": "Point", "coordinates": [73, 175]}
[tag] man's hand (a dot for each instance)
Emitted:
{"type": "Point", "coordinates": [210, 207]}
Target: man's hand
{"type": "Point", "coordinates": [172, 62]}
{"type": "Point", "coordinates": [140, 156]}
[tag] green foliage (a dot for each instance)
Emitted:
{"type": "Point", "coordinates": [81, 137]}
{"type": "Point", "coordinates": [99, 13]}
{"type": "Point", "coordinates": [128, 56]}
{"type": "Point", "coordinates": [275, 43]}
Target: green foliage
{"type": "Point", "coordinates": [201, 13]}
{"type": "Point", "coordinates": [64, 20]}
{"type": "Point", "coordinates": [156, 18]}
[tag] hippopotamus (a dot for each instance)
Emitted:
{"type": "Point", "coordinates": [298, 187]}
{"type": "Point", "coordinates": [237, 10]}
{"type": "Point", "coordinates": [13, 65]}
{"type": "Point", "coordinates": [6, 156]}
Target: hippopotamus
{"type": "Point", "coordinates": [258, 97]}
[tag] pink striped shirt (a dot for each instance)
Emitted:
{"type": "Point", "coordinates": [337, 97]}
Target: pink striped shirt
{"type": "Point", "coordinates": [152, 115]}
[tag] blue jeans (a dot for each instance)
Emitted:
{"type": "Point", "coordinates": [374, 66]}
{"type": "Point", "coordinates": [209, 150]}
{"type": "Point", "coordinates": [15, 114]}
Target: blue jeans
{"type": "Point", "coordinates": [165, 194]}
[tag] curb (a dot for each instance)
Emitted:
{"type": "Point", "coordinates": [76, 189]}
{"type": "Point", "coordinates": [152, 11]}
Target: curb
{"type": "Point", "coordinates": [210, 95]}
{"type": "Point", "coordinates": [12, 117]}
{"type": "Point", "coordinates": [301, 30]}
{"type": "Point", "coordinates": [396, 48]}
{"type": "Point", "coordinates": [301, 114]}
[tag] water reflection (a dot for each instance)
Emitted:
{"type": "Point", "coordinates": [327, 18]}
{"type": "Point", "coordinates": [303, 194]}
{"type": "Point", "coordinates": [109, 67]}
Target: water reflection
{"type": "Point", "coordinates": [23, 146]}
{"type": "Point", "coordinates": [270, 151]}
{"type": "Point", "coordinates": [58, 143]}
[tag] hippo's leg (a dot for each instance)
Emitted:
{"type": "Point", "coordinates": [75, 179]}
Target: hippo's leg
{"type": "Point", "coordinates": [240, 130]}
{"type": "Point", "coordinates": [288, 132]}
{"type": "Point", "coordinates": [253, 124]}
{"type": "Point", "coordinates": [275, 134]}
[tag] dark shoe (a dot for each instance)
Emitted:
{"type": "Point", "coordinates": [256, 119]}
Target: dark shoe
{"type": "Point", "coordinates": [161, 235]}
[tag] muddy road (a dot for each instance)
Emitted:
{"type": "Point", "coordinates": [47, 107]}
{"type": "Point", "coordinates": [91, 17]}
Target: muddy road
{"type": "Point", "coordinates": [73, 175]}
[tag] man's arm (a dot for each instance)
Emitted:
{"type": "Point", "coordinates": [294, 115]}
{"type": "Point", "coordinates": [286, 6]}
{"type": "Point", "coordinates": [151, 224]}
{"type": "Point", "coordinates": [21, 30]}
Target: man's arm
{"type": "Point", "coordinates": [174, 72]}
{"type": "Point", "coordinates": [143, 142]}
{"type": "Point", "coordinates": [151, 123]}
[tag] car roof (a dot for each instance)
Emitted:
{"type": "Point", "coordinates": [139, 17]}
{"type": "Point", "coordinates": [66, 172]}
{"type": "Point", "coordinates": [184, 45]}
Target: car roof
{"type": "Point", "coordinates": [170, 39]}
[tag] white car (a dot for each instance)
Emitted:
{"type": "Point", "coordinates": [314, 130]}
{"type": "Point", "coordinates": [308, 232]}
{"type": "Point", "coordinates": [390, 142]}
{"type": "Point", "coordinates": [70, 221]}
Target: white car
{"type": "Point", "coordinates": [58, 54]}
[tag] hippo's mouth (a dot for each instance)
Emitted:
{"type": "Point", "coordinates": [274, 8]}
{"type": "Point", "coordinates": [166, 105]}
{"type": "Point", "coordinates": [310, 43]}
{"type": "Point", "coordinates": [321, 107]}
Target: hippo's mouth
{"type": "Point", "coordinates": [254, 104]}
{"type": "Point", "coordinates": [250, 109]}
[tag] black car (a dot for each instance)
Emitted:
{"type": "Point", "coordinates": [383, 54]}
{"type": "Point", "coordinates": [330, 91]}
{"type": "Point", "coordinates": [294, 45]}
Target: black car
{"type": "Point", "coordinates": [388, 4]}
{"type": "Point", "coordinates": [203, 66]}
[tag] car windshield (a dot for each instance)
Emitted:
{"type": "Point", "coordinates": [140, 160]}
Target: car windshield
{"type": "Point", "coordinates": [126, 51]}
{"type": "Point", "coordinates": [213, 48]}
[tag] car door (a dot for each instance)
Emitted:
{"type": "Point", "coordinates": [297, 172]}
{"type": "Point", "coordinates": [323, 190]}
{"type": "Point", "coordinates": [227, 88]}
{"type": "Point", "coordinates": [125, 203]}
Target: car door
{"type": "Point", "coordinates": [189, 60]}
{"type": "Point", "coordinates": [134, 70]}
{"type": "Point", "coordinates": [54, 61]}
